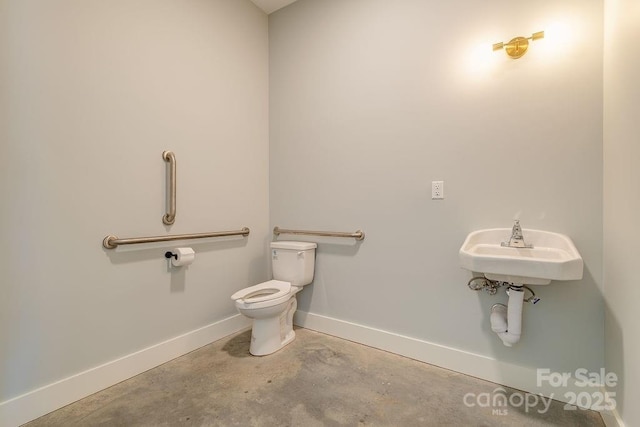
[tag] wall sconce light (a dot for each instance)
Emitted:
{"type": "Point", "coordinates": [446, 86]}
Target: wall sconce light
{"type": "Point", "coordinates": [518, 46]}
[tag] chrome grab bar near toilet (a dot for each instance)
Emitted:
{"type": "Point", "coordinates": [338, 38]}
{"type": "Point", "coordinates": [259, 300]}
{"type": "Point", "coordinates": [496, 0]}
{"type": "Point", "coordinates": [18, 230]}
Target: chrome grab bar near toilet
{"type": "Point", "coordinates": [358, 235]}
{"type": "Point", "coordinates": [170, 217]}
{"type": "Point", "coordinates": [112, 242]}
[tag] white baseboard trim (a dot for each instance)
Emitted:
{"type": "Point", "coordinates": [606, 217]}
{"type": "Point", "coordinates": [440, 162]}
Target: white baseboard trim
{"type": "Point", "coordinates": [523, 378]}
{"type": "Point", "coordinates": [34, 404]}
{"type": "Point", "coordinates": [612, 418]}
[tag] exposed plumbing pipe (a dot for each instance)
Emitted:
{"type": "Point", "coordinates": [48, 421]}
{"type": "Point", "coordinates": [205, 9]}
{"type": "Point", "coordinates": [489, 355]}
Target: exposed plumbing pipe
{"type": "Point", "coordinates": [506, 321]}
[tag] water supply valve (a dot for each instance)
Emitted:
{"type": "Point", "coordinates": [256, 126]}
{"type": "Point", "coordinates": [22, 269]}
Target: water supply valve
{"type": "Point", "coordinates": [481, 283]}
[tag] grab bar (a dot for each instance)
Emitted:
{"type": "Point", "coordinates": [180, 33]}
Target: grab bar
{"type": "Point", "coordinates": [170, 217]}
{"type": "Point", "coordinates": [112, 242]}
{"type": "Point", "coordinates": [358, 235]}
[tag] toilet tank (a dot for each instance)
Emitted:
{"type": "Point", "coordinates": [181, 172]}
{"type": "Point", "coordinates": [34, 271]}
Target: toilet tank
{"type": "Point", "coordinates": [293, 262]}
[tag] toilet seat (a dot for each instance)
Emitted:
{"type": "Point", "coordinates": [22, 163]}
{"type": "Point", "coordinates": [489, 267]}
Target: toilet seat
{"type": "Point", "coordinates": [265, 291]}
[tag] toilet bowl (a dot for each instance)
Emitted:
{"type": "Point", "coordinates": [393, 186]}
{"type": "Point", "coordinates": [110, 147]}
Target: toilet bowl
{"type": "Point", "coordinates": [271, 304]}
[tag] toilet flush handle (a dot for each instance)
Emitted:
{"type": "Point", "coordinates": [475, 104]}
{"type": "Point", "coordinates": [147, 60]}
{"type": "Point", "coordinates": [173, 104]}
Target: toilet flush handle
{"type": "Point", "coordinates": [300, 254]}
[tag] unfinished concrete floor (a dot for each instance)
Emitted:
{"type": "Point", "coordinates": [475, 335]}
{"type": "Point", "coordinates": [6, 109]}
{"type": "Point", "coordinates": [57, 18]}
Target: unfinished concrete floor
{"type": "Point", "coordinates": [317, 380]}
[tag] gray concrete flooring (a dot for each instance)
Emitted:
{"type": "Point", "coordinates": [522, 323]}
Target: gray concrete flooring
{"type": "Point", "coordinates": [317, 380]}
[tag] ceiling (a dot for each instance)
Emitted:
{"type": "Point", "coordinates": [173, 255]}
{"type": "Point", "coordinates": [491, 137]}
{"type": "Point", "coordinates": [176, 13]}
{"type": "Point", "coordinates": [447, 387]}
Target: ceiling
{"type": "Point", "coordinates": [271, 5]}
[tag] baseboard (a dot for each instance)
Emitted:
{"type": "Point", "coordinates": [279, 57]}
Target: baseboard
{"type": "Point", "coordinates": [36, 403]}
{"type": "Point", "coordinates": [523, 378]}
{"type": "Point", "coordinates": [612, 418]}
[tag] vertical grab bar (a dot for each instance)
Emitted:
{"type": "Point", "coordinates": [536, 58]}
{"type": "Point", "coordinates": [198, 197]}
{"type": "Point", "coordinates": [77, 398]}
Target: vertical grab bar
{"type": "Point", "coordinates": [170, 217]}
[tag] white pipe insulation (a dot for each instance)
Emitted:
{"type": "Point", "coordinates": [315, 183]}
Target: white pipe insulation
{"type": "Point", "coordinates": [506, 321]}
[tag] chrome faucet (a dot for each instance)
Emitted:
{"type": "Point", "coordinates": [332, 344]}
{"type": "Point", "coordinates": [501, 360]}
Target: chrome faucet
{"type": "Point", "coordinates": [516, 240]}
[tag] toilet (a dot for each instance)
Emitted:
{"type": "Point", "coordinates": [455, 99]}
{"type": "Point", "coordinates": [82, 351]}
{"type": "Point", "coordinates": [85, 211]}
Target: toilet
{"type": "Point", "coordinates": [272, 304]}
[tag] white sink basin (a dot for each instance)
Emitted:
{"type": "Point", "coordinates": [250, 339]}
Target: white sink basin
{"type": "Point", "coordinates": [553, 257]}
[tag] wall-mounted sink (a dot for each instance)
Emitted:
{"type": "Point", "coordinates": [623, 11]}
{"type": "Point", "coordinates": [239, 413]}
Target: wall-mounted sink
{"type": "Point", "coordinates": [552, 257]}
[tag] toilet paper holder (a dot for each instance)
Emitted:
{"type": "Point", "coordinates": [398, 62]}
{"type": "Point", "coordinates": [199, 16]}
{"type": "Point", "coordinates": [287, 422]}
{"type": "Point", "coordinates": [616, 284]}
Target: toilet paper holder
{"type": "Point", "coordinates": [180, 257]}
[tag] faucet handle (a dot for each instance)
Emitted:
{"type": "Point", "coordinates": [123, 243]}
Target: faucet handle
{"type": "Point", "coordinates": [517, 239]}
{"type": "Point", "coordinates": [516, 231]}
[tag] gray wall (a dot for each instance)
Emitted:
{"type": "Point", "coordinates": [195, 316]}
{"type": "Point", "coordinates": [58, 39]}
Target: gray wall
{"type": "Point", "coordinates": [92, 93]}
{"type": "Point", "coordinates": [371, 100]}
{"type": "Point", "coordinates": [622, 203]}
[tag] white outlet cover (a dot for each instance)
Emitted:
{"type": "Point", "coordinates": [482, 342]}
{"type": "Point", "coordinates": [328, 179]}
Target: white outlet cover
{"type": "Point", "coordinates": [437, 190]}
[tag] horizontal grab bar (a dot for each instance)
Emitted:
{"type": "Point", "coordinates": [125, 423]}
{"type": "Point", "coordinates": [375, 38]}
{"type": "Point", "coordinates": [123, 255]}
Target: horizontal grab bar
{"type": "Point", "coordinates": [112, 242]}
{"type": "Point", "coordinates": [358, 235]}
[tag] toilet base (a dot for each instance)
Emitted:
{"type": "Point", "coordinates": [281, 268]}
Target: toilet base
{"type": "Point", "coordinates": [270, 334]}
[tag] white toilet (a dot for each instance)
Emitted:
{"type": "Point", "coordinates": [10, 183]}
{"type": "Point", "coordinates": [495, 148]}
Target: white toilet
{"type": "Point", "coordinates": [271, 304]}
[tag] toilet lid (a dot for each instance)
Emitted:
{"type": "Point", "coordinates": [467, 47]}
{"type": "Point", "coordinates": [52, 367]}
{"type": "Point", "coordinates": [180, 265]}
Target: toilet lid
{"type": "Point", "coordinates": [264, 291]}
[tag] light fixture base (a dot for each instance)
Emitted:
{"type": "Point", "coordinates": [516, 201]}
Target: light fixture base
{"type": "Point", "coordinates": [517, 47]}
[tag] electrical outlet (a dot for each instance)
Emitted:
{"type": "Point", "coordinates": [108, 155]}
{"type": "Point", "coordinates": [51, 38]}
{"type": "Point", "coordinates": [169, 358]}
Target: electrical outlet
{"type": "Point", "coordinates": [437, 190]}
